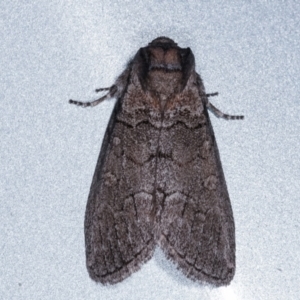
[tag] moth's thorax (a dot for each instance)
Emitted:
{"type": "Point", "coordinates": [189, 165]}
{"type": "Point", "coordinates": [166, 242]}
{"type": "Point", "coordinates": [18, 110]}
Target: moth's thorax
{"type": "Point", "coordinates": [164, 76]}
{"type": "Point", "coordinates": [163, 83]}
{"type": "Point", "coordinates": [163, 68]}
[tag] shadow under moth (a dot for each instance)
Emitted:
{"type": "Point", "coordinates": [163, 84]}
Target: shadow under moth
{"type": "Point", "coordinates": [159, 179]}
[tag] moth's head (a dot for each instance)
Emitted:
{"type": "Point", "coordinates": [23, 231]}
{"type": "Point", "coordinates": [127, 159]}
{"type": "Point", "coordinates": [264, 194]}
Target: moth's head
{"type": "Point", "coordinates": [162, 41]}
{"type": "Point", "coordinates": [165, 56]}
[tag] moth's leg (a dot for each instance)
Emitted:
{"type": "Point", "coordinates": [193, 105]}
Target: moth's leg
{"type": "Point", "coordinates": [212, 94]}
{"type": "Point", "coordinates": [102, 89]}
{"type": "Point", "coordinates": [220, 114]}
{"type": "Point", "coordinates": [112, 90]}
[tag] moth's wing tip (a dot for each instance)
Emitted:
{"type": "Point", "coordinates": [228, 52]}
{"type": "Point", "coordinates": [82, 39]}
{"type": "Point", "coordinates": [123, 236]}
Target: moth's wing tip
{"type": "Point", "coordinates": [121, 272]}
{"type": "Point", "coordinates": [197, 273]}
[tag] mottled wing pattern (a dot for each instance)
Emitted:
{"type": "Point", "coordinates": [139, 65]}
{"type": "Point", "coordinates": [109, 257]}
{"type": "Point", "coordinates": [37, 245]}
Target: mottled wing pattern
{"type": "Point", "coordinates": [197, 226]}
{"type": "Point", "coordinates": [118, 228]}
{"type": "Point", "coordinates": [159, 179]}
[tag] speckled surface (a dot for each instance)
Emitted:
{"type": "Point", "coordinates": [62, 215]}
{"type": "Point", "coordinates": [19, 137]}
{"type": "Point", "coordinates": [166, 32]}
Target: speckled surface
{"type": "Point", "coordinates": [54, 51]}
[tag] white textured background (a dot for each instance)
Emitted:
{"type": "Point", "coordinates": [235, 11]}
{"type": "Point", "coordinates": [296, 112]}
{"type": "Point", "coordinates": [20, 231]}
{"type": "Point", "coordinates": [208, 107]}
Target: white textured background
{"type": "Point", "coordinates": [51, 51]}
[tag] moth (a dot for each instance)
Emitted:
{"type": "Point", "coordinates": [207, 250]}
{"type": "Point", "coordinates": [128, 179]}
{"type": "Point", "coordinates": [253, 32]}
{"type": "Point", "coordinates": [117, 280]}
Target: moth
{"type": "Point", "coordinates": [159, 179]}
